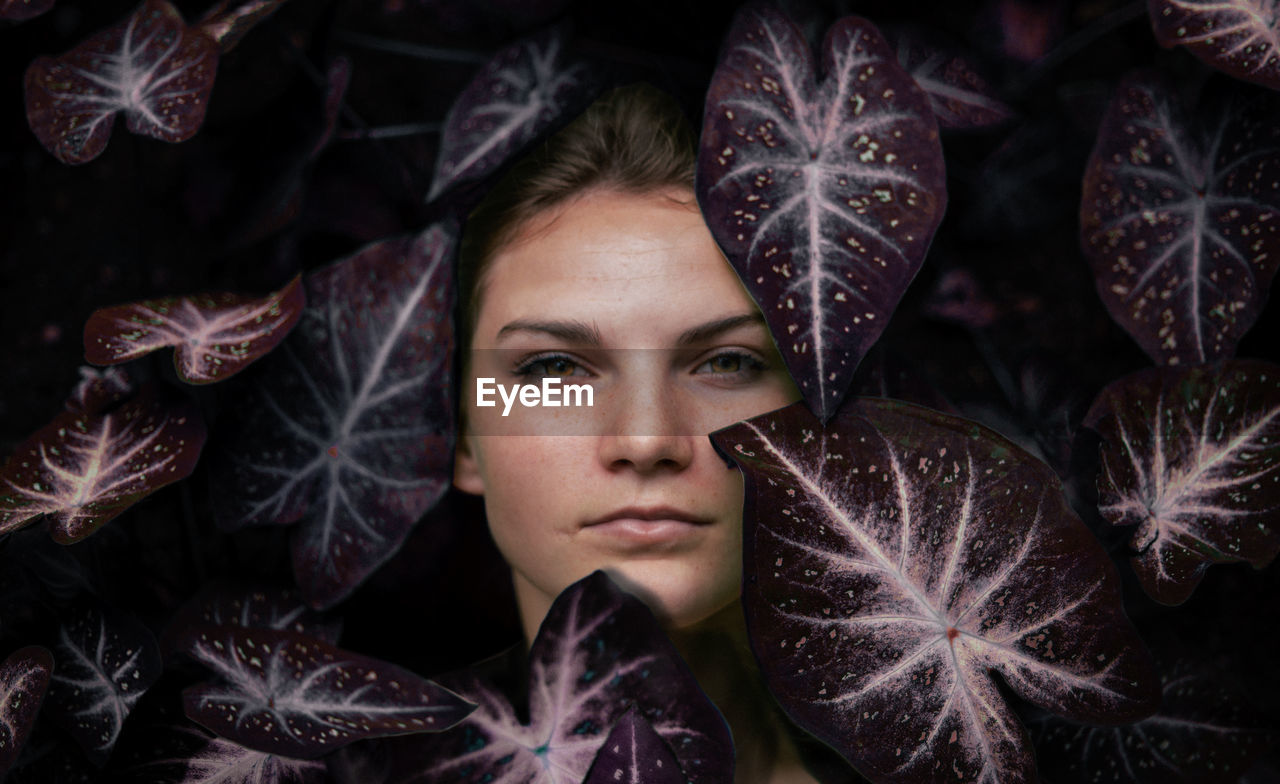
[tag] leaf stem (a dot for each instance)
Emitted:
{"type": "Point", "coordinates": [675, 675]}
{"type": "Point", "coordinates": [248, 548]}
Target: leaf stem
{"type": "Point", "coordinates": [409, 49]}
{"type": "Point", "coordinates": [390, 131]}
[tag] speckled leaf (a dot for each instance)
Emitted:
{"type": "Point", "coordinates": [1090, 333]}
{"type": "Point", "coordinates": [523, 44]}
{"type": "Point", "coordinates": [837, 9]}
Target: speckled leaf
{"type": "Point", "coordinates": [1182, 224]}
{"type": "Point", "coordinates": [106, 661]}
{"type": "Point", "coordinates": [598, 653]}
{"type": "Point", "coordinates": [960, 98]}
{"type": "Point", "coordinates": [823, 194]}
{"type": "Point", "coordinates": [149, 66]}
{"type": "Point", "coordinates": [1191, 457]}
{"type": "Point", "coordinates": [251, 606]}
{"type": "Point", "coordinates": [1238, 37]}
{"type": "Point", "coordinates": [229, 21]}
{"type": "Point", "coordinates": [634, 753]}
{"type": "Point", "coordinates": [226, 762]}
{"type": "Point", "coordinates": [81, 470]}
{"type": "Point", "coordinates": [525, 90]}
{"type": "Point", "coordinates": [348, 429]}
{"type": "Point", "coordinates": [99, 390]}
{"type": "Point", "coordinates": [897, 563]}
{"type": "Point", "coordinates": [1204, 733]}
{"type": "Point", "coordinates": [20, 10]}
{"type": "Point", "coordinates": [214, 335]}
{"type": "Point", "coordinates": [289, 694]}
{"type": "Point", "coordinates": [24, 676]}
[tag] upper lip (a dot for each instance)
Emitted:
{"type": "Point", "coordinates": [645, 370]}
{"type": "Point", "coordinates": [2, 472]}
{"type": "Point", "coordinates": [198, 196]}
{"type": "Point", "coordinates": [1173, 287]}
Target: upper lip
{"type": "Point", "coordinates": [649, 513]}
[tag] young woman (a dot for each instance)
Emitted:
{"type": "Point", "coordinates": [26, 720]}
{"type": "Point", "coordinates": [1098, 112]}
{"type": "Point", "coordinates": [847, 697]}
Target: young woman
{"type": "Point", "coordinates": [590, 263]}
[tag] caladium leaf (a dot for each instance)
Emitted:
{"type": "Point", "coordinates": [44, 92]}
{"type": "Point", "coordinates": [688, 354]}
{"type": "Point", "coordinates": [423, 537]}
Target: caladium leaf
{"type": "Point", "coordinates": [897, 558]}
{"type": "Point", "coordinates": [81, 470]}
{"type": "Point", "coordinates": [1238, 37]}
{"type": "Point", "coordinates": [960, 98]}
{"type": "Point", "coordinates": [526, 90]}
{"type": "Point", "coordinates": [1191, 457]}
{"type": "Point", "coordinates": [24, 676]}
{"type": "Point", "coordinates": [149, 66]}
{"type": "Point", "coordinates": [106, 661]}
{"type": "Point", "coordinates": [225, 603]}
{"type": "Point", "coordinates": [1181, 224]}
{"type": "Point", "coordinates": [99, 390]}
{"type": "Point", "coordinates": [290, 694]}
{"type": "Point", "coordinates": [20, 10]}
{"type": "Point", "coordinates": [348, 431]}
{"type": "Point", "coordinates": [598, 653]}
{"type": "Point", "coordinates": [823, 194]}
{"type": "Point", "coordinates": [227, 22]}
{"type": "Point", "coordinates": [214, 335]}
{"type": "Point", "coordinates": [1204, 732]}
{"type": "Point", "coordinates": [227, 762]}
{"type": "Point", "coordinates": [634, 753]}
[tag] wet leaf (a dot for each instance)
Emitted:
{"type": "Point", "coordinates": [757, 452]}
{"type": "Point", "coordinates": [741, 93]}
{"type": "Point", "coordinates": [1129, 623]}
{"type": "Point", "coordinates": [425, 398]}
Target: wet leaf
{"type": "Point", "coordinates": [823, 194]}
{"type": "Point", "coordinates": [347, 432]}
{"type": "Point", "coordinates": [214, 335]}
{"type": "Point", "coordinates": [1191, 458]}
{"type": "Point", "coordinates": [598, 653]}
{"type": "Point", "coordinates": [82, 470]}
{"type": "Point", "coordinates": [901, 559]}
{"type": "Point", "coordinates": [634, 754]}
{"type": "Point", "coordinates": [1238, 37]}
{"type": "Point", "coordinates": [289, 694]}
{"type": "Point", "coordinates": [149, 66]}
{"type": "Point", "coordinates": [24, 676]}
{"type": "Point", "coordinates": [1181, 224]}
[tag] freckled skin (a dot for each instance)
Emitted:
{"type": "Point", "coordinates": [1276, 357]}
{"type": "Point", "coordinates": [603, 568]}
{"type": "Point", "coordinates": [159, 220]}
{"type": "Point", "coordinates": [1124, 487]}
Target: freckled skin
{"type": "Point", "coordinates": [640, 269]}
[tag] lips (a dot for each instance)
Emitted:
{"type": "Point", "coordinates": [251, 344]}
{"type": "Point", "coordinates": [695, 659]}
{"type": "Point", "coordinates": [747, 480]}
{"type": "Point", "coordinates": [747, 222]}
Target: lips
{"type": "Point", "coordinates": [648, 526]}
{"type": "Point", "coordinates": [650, 514]}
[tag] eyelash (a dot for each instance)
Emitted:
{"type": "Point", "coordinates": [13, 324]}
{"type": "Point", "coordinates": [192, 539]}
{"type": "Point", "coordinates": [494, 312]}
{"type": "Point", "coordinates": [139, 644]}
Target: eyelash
{"type": "Point", "coordinates": [751, 364]}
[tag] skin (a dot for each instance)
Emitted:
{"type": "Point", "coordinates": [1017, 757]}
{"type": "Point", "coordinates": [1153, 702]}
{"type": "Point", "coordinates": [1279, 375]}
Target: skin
{"type": "Point", "coordinates": [630, 294]}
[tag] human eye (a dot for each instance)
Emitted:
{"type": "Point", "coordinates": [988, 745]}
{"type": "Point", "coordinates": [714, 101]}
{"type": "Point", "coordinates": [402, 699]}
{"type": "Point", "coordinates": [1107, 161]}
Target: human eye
{"type": "Point", "coordinates": [732, 366]}
{"type": "Point", "coordinates": [549, 366]}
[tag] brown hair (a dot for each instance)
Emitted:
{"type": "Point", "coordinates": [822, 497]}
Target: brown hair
{"type": "Point", "coordinates": [634, 139]}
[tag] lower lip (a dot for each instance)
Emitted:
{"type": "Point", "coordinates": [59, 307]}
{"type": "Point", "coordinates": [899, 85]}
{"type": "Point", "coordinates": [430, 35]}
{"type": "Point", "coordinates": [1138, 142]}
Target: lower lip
{"type": "Point", "coordinates": [641, 532]}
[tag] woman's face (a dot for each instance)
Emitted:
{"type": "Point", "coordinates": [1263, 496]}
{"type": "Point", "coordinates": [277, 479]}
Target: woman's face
{"type": "Point", "coordinates": [628, 294]}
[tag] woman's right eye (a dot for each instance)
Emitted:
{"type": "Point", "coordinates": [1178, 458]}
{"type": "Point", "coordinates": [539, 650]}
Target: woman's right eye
{"type": "Point", "coordinates": [551, 367]}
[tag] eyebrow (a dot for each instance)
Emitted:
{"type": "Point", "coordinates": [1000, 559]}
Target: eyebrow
{"type": "Point", "coordinates": [587, 334]}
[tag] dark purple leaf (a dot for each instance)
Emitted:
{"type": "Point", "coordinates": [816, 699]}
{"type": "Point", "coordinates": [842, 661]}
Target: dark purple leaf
{"type": "Point", "coordinates": [524, 91]}
{"type": "Point", "coordinates": [289, 694]}
{"type": "Point", "coordinates": [824, 195]}
{"type": "Point", "coordinates": [1238, 37]}
{"type": "Point", "coordinates": [226, 762]}
{"type": "Point", "coordinates": [149, 66]}
{"type": "Point", "coordinates": [1191, 457]}
{"type": "Point", "coordinates": [214, 335]}
{"type": "Point", "coordinates": [598, 653]}
{"type": "Point", "coordinates": [1182, 225]}
{"type": "Point", "coordinates": [226, 603]}
{"type": "Point", "coordinates": [24, 676]}
{"type": "Point", "coordinates": [81, 470]}
{"type": "Point", "coordinates": [348, 431]}
{"type": "Point", "coordinates": [99, 390]}
{"type": "Point", "coordinates": [961, 99]}
{"type": "Point", "coordinates": [1203, 733]}
{"type": "Point", "coordinates": [106, 661]}
{"type": "Point", "coordinates": [899, 560]}
{"type": "Point", "coordinates": [20, 10]}
{"type": "Point", "coordinates": [227, 22]}
{"type": "Point", "coordinates": [635, 754]}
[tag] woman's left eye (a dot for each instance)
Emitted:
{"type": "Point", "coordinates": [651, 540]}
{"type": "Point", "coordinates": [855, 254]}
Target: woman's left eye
{"type": "Point", "coordinates": [730, 363]}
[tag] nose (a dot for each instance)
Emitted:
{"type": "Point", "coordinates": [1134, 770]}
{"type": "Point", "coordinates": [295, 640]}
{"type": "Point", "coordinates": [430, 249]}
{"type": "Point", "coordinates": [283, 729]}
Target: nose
{"type": "Point", "coordinates": [646, 432]}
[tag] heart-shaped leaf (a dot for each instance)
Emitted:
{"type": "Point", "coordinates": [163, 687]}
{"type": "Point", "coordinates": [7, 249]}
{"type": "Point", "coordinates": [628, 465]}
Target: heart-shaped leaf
{"type": "Point", "coordinates": [526, 90]}
{"type": "Point", "coordinates": [897, 558]}
{"type": "Point", "coordinates": [214, 335]}
{"type": "Point", "coordinates": [634, 753]}
{"type": "Point", "coordinates": [348, 430]}
{"type": "Point", "coordinates": [20, 10]}
{"type": "Point", "coordinates": [960, 98]}
{"type": "Point", "coordinates": [99, 390]}
{"type": "Point", "coordinates": [1238, 37]}
{"type": "Point", "coordinates": [1204, 732]}
{"type": "Point", "coordinates": [149, 66]}
{"type": "Point", "coordinates": [289, 694]}
{"type": "Point", "coordinates": [225, 603]}
{"type": "Point", "coordinates": [82, 469]}
{"type": "Point", "coordinates": [1182, 224]}
{"type": "Point", "coordinates": [824, 195]}
{"type": "Point", "coordinates": [226, 762]}
{"type": "Point", "coordinates": [1191, 457]}
{"type": "Point", "coordinates": [598, 653]}
{"type": "Point", "coordinates": [229, 21]}
{"type": "Point", "coordinates": [106, 661]}
{"type": "Point", "coordinates": [24, 676]}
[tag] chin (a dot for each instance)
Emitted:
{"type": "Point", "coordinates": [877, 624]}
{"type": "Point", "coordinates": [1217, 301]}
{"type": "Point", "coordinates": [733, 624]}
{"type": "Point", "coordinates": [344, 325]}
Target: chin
{"type": "Point", "coordinates": [679, 597]}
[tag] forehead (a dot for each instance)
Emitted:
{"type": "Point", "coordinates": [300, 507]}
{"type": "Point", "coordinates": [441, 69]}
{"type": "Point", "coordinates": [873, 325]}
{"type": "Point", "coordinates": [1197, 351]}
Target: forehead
{"type": "Point", "coordinates": [642, 267]}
